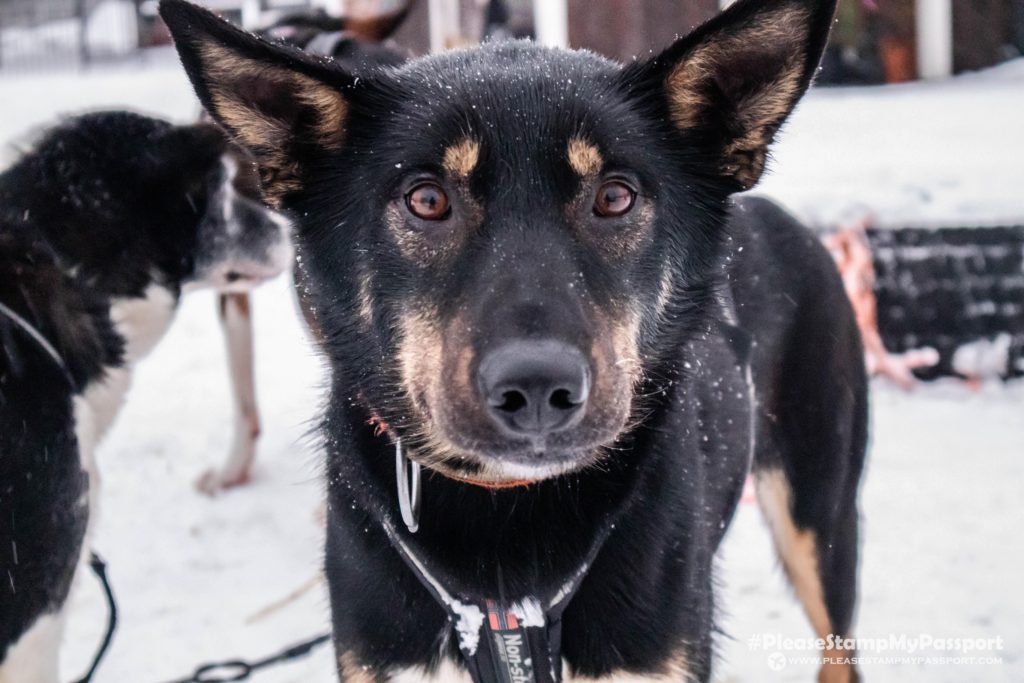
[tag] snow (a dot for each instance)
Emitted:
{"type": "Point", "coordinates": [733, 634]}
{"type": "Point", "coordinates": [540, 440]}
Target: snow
{"type": "Point", "coordinates": [942, 153]}
{"type": "Point", "coordinates": [942, 498]}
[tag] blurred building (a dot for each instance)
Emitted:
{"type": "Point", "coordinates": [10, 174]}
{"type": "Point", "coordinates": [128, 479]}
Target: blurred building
{"type": "Point", "coordinates": [874, 41]}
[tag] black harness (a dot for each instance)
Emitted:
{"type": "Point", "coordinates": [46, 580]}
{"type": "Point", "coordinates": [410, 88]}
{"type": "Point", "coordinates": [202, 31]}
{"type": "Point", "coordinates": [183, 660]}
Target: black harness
{"type": "Point", "coordinates": [41, 341]}
{"type": "Point", "coordinates": [96, 563]}
{"type": "Point", "coordinates": [500, 641]}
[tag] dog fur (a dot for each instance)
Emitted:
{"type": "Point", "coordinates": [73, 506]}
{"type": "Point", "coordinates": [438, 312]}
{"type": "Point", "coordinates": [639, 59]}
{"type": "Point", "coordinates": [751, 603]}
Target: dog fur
{"type": "Point", "coordinates": [103, 225]}
{"type": "Point", "coordinates": [462, 208]}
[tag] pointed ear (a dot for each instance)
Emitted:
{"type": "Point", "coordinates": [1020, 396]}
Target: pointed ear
{"type": "Point", "coordinates": [735, 79]}
{"type": "Point", "coordinates": [275, 101]}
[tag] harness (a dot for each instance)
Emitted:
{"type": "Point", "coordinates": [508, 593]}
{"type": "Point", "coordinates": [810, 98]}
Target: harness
{"type": "Point", "coordinates": [500, 641]}
{"type": "Point", "coordinates": [41, 341]}
{"type": "Point", "coordinates": [96, 563]}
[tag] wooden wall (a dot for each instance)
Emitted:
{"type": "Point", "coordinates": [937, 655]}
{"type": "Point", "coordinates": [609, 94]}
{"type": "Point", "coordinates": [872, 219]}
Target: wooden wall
{"type": "Point", "coordinates": [623, 29]}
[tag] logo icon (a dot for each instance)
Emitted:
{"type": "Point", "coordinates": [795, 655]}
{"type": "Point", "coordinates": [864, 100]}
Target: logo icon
{"type": "Point", "coordinates": [777, 661]}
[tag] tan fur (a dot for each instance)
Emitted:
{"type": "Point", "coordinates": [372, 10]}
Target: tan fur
{"type": "Point", "coordinates": [629, 240]}
{"type": "Point", "coordinates": [422, 249]}
{"type": "Point", "coordinates": [365, 301]}
{"type": "Point", "coordinates": [798, 552]}
{"type": "Point", "coordinates": [267, 137]}
{"type": "Point", "coordinates": [351, 671]}
{"type": "Point", "coordinates": [435, 361]}
{"type": "Point", "coordinates": [761, 111]}
{"type": "Point", "coordinates": [675, 671]}
{"type": "Point", "coordinates": [584, 157]}
{"type": "Point", "coordinates": [461, 158]}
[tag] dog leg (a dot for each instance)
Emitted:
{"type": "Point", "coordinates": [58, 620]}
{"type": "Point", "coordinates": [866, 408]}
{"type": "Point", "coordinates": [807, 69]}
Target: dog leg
{"type": "Point", "coordinates": [799, 550]}
{"type": "Point", "coordinates": [35, 658]}
{"type": "Point", "coordinates": [236, 321]}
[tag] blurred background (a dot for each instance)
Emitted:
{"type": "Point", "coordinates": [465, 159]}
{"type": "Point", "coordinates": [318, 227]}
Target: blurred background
{"type": "Point", "coordinates": [875, 41]}
{"type": "Point", "coordinates": [907, 159]}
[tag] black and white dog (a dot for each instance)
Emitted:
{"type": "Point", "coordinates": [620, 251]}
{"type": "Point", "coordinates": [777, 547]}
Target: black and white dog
{"type": "Point", "coordinates": [357, 44]}
{"type": "Point", "coordinates": [103, 226]}
{"type": "Point", "coordinates": [532, 282]}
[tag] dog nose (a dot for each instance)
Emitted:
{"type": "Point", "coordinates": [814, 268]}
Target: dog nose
{"type": "Point", "coordinates": [535, 387]}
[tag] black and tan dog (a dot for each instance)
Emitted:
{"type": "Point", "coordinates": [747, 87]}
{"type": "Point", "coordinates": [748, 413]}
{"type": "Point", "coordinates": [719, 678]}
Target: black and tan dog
{"type": "Point", "coordinates": [531, 280]}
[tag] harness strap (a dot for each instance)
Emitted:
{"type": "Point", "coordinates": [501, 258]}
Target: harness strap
{"type": "Point", "coordinates": [499, 642]}
{"type": "Point", "coordinates": [41, 341]}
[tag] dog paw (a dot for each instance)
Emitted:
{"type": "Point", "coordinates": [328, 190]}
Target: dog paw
{"type": "Point", "coordinates": [214, 481]}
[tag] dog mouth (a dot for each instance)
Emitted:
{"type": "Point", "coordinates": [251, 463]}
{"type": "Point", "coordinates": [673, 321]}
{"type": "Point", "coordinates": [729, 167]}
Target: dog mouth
{"type": "Point", "coordinates": [238, 277]}
{"type": "Point", "coordinates": [495, 474]}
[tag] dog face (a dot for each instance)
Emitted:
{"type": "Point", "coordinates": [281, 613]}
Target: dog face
{"type": "Point", "coordinates": [507, 243]}
{"type": "Point", "coordinates": [240, 242]}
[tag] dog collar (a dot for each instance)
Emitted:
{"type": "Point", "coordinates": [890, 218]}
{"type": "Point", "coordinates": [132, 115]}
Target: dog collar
{"type": "Point", "coordinates": [41, 341]}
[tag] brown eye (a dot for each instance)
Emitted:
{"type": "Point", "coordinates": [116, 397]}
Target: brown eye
{"type": "Point", "coordinates": [429, 202]}
{"type": "Point", "coordinates": [614, 199]}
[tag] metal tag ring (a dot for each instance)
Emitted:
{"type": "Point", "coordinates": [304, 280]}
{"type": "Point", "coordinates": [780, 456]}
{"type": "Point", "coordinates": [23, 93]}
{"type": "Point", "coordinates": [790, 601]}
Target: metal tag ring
{"type": "Point", "coordinates": [407, 472]}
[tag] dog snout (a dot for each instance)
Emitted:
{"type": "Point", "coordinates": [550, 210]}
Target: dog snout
{"type": "Point", "coordinates": [534, 388]}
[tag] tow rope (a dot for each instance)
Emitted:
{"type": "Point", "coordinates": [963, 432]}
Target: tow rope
{"type": "Point", "coordinates": [99, 568]}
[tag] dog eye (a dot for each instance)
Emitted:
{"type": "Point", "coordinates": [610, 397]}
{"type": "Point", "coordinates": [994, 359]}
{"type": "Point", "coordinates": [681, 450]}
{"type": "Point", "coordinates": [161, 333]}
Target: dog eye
{"type": "Point", "coordinates": [614, 199]}
{"type": "Point", "coordinates": [429, 202]}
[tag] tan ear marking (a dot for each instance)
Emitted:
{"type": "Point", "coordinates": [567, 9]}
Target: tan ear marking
{"type": "Point", "coordinates": [759, 110]}
{"type": "Point", "coordinates": [461, 158]}
{"type": "Point", "coordinates": [265, 136]}
{"type": "Point", "coordinates": [225, 67]}
{"type": "Point", "coordinates": [584, 157]}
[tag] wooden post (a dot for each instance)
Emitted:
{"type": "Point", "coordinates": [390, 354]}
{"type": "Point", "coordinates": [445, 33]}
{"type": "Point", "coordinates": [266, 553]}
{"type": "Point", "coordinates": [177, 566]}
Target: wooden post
{"type": "Point", "coordinates": [640, 26]}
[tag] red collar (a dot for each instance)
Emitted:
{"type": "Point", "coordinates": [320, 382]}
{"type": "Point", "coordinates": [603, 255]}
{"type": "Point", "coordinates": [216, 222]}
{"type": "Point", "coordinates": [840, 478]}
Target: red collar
{"type": "Point", "coordinates": [380, 427]}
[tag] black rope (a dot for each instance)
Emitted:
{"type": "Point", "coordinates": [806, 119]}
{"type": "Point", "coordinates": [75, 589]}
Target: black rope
{"type": "Point", "coordinates": [240, 670]}
{"type": "Point", "coordinates": [216, 672]}
{"type": "Point", "coordinates": [99, 568]}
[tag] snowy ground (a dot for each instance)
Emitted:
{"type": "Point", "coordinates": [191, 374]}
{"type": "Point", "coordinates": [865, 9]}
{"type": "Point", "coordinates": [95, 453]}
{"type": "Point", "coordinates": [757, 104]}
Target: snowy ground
{"type": "Point", "coordinates": [942, 499]}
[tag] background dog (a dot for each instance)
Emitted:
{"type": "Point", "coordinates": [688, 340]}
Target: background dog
{"type": "Point", "coordinates": [530, 278]}
{"type": "Point", "coordinates": [102, 227]}
{"type": "Point", "coordinates": [357, 45]}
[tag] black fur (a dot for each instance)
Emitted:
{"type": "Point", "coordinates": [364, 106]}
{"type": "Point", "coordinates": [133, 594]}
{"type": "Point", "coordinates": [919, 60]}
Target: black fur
{"type": "Point", "coordinates": [104, 206]}
{"type": "Point", "coordinates": [718, 286]}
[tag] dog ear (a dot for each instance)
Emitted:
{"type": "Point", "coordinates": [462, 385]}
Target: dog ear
{"type": "Point", "coordinates": [734, 80]}
{"type": "Point", "coordinates": [273, 100]}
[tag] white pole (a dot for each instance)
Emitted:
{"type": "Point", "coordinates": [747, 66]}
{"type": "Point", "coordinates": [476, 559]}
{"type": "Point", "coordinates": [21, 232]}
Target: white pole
{"type": "Point", "coordinates": [445, 23]}
{"type": "Point", "coordinates": [251, 14]}
{"type": "Point", "coordinates": [935, 38]}
{"type": "Point", "coordinates": [551, 20]}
